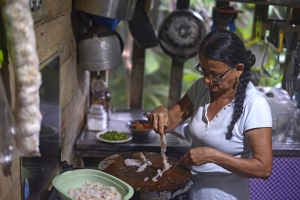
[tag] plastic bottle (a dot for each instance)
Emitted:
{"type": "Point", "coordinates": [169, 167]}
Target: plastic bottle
{"type": "Point", "coordinates": [97, 118]}
{"type": "Point", "coordinates": [101, 94]}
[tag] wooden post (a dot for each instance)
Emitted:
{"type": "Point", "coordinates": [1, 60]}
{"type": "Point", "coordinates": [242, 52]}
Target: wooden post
{"type": "Point", "coordinates": [221, 3]}
{"type": "Point", "coordinates": [175, 81]}
{"type": "Point", "coordinates": [177, 68]}
{"type": "Point", "coordinates": [262, 11]}
{"type": "Point", "coordinates": [137, 77]}
{"type": "Point", "coordinates": [137, 71]}
{"type": "Point", "coordinates": [295, 19]}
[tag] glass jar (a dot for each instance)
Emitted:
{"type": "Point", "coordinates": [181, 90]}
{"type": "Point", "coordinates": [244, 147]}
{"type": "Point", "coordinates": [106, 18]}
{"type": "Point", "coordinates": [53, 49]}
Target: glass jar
{"type": "Point", "coordinates": [101, 95]}
{"type": "Point", "coordinates": [96, 118]}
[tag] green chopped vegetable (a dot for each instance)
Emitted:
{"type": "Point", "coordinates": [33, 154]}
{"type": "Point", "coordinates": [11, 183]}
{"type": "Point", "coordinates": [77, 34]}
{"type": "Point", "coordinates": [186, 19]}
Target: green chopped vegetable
{"type": "Point", "coordinates": [113, 135]}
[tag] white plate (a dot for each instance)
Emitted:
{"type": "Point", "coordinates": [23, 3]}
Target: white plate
{"type": "Point", "coordinates": [113, 141]}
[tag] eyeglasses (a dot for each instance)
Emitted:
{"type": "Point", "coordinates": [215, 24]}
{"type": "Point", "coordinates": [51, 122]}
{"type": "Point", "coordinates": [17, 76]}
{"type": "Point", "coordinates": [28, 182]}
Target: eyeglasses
{"type": "Point", "coordinates": [212, 78]}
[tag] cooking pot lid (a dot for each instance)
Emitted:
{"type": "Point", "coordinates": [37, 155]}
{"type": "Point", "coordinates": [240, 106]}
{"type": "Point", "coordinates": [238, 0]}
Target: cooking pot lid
{"type": "Point", "coordinates": [181, 32]}
{"type": "Point", "coordinates": [174, 181]}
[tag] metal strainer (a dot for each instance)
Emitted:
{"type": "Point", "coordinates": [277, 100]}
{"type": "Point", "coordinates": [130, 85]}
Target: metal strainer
{"type": "Point", "coordinates": [262, 51]}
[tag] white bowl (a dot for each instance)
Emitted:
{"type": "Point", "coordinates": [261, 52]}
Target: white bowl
{"type": "Point", "coordinates": [129, 137]}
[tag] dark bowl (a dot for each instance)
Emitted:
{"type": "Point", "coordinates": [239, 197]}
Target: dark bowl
{"type": "Point", "coordinates": [136, 132]}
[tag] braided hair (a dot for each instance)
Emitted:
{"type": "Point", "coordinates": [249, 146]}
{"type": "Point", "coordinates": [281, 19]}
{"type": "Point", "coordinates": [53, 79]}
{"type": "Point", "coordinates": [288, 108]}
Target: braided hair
{"type": "Point", "coordinates": [225, 46]}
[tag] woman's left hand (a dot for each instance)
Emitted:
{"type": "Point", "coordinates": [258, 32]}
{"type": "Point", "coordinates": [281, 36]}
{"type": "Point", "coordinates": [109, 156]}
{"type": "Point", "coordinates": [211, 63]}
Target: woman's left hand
{"type": "Point", "coordinates": [197, 156]}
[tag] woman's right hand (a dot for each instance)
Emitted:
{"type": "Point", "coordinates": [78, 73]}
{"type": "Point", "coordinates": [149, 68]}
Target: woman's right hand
{"type": "Point", "coordinates": [159, 120]}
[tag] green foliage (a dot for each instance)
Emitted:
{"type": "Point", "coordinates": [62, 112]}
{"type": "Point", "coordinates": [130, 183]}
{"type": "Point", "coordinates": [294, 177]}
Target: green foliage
{"type": "Point", "coordinates": [1, 57]}
{"type": "Point", "coordinates": [156, 84]}
{"type": "Point", "coordinates": [117, 84]}
{"type": "Point", "coordinates": [158, 64]}
{"type": "Point", "coordinates": [153, 61]}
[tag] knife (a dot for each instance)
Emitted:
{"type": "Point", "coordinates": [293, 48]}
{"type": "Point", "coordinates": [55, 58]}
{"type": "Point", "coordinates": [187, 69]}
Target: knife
{"type": "Point", "coordinates": [170, 131]}
{"type": "Point", "coordinates": [177, 134]}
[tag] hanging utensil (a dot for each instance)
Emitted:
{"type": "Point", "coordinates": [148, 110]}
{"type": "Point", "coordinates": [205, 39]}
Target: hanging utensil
{"type": "Point", "coordinates": [260, 49]}
{"type": "Point", "coordinates": [269, 39]}
{"type": "Point", "coordinates": [141, 29]}
{"type": "Point", "coordinates": [180, 33]}
{"type": "Point", "coordinates": [289, 77]}
{"type": "Point", "coordinates": [277, 71]}
{"type": "Point", "coordinates": [99, 50]}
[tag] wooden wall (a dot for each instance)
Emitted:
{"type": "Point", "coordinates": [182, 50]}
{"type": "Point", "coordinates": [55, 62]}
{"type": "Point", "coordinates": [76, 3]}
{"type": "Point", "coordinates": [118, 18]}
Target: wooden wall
{"type": "Point", "coordinates": [55, 33]}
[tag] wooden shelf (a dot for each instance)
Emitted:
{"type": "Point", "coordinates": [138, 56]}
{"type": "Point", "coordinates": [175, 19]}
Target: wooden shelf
{"type": "Point", "coordinates": [284, 3]}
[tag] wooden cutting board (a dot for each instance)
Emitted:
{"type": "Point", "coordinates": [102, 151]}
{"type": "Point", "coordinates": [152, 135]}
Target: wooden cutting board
{"type": "Point", "coordinates": [174, 182]}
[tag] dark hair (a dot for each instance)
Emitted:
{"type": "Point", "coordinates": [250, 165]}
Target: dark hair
{"type": "Point", "coordinates": [225, 46]}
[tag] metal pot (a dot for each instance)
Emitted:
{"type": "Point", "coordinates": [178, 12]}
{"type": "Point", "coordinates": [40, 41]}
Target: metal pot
{"type": "Point", "coordinates": [99, 49]}
{"type": "Point", "coordinates": [116, 9]}
{"type": "Point", "coordinates": [180, 33]}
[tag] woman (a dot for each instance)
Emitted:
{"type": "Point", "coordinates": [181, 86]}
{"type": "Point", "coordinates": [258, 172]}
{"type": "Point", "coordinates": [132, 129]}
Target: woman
{"type": "Point", "coordinates": [231, 124]}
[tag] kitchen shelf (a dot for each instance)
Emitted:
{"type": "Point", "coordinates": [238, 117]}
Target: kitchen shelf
{"type": "Point", "coordinates": [87, 145]}
{"type": "Point", "coordinates": [284, 3]}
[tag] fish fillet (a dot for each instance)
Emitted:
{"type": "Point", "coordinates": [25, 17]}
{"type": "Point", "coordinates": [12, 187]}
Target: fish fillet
{"type": "Point", "coordinates": [163, 155]}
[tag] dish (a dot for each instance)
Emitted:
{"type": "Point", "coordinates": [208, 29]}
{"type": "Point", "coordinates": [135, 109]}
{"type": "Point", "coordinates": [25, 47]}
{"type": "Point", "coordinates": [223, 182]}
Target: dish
{"type": "Point", "coordinates": [129, 137]}
{"type": "Point", "coordinates": [140, 125]}
{"type": "Point", "coordinates": [77, 178]}
{"type": "Point", "coordinates": [136, 132]}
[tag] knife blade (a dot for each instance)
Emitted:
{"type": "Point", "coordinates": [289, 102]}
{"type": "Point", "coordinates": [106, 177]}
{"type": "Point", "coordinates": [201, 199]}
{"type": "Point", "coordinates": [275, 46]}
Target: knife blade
{"type": "Point", "coordinates": [176, 134]}
{"type": "Point", "coordinates": [170, 131]}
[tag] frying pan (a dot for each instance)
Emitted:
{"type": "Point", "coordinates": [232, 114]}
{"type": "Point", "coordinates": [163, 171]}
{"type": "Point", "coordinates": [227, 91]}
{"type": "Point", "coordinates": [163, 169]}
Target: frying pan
{"type": "Point", "coordinates": [180, 33]}
{"type": "Point", "coordinates": [259, 47]}
{"type": "Point", "coordinates": [141, 29]}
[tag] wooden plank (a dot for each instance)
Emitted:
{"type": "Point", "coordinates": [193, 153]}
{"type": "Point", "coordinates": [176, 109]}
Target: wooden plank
{"type": "Point", "coordinates": [10, 187]}
{"type": "Point", "coordinates": [175, 81]}
{"type": "Point", "coordinates": [283, 3]}
{"type": "Point", "coordinates": [137, 70]}
{"type": "Point", "coordinates": [137, 77]}
{"type": "Point", "coordinates": [222, 3]}
{"type": "Point", "coordinates": [176, 68]}
{"type": "Point", "coordinates": [53, 36]}
{"type": "Point", "coordinates": [295, 19]}
{"type": "Point", "coordinates": [182, 4]}
{"type": "Point", "coordinates": [57, 8]}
